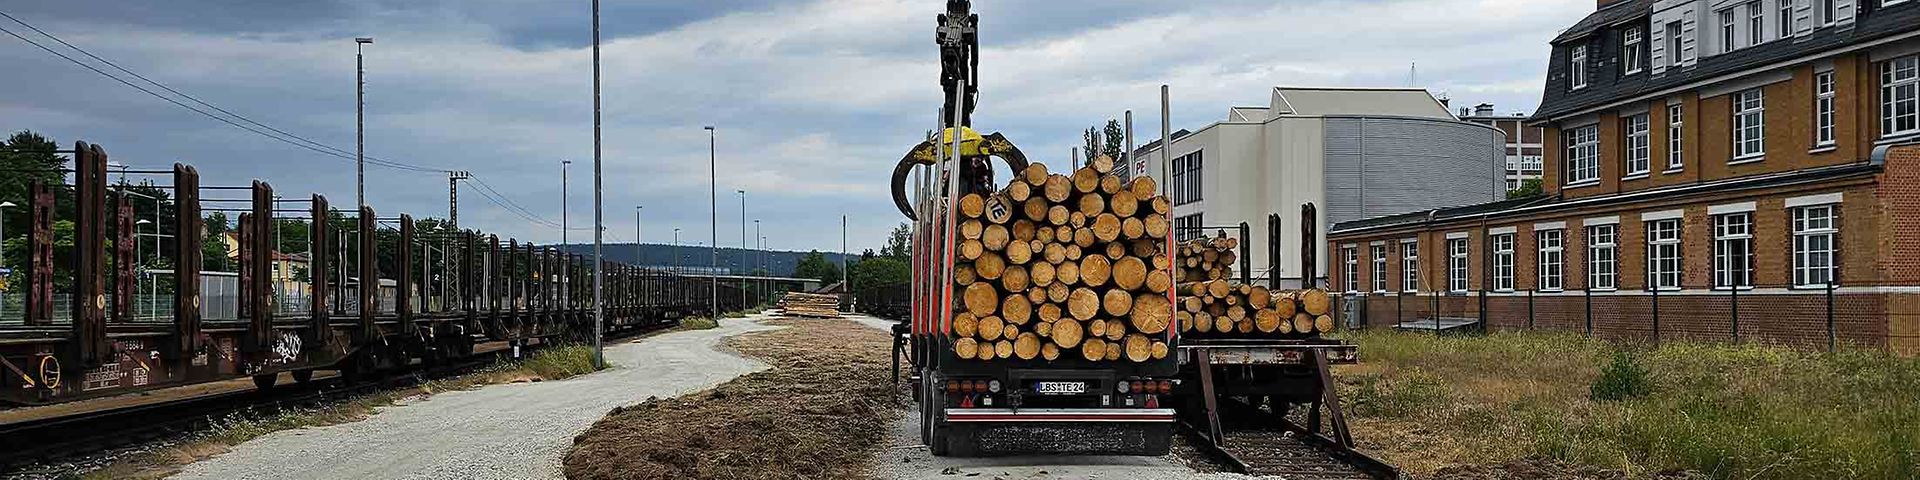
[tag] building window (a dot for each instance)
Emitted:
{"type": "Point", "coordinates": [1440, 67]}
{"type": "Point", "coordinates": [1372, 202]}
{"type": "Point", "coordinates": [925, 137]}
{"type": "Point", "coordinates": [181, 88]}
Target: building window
{"type": "Point", "coordinates": [1602, 257]}
{"type": "Point", "coordinates": [1726, 30]}
{"type": "Point", "coordinates": [1733, 250]}
{"type": "Point", "coordinates": [1638, 147]}
{"type": "Point", "coordinates": [1749, 125]}
{"type": "Point", "coordinates": [1676, 156]}
{"type": "Point", "coordinates": [1663, 254]}
{"type": "Point", "coordinates": [1813, 232]}
{"type": "Point", "coordinates": [1350, 276]}
{"type": "Point", "coordinates": [1379, 267]}
{"type": "Point", "coordinates": [1552, 258]}
{"type": "Point", "coordinates": [1823, 108]}
{"type": "Point", "coordinates": [1457, 264]}
{"type": "Point", "coordinates": [1186, 178]}
{"type": "Point", "coordinates": [1828, 11]}
{"type": "Point", "coordinates": [1674, 44]}
{"type": "Point", "coordinates": [1786, 18]}
{"type": "Point", "coordinates": [1410, 265]}
{"type": "Point", "coordinates": [1188, 227]}
{"type": "Point", "coordinates": [1756, 23]}
{"type": "Point", "coordinates": [1630, 45]}
{"type": "Point", "coordinates": [1900, 96]}
{"type": "Point", "coordinates": [1577, 67]}
{"type": "Point", "coordinates": [1503, 262]}
{"type": "Point", "coordinates": [1583, 154]}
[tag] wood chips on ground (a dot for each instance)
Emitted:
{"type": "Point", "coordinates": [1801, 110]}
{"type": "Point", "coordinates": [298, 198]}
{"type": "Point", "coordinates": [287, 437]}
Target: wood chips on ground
{"type": "Point", "coordinates": [820, 412]}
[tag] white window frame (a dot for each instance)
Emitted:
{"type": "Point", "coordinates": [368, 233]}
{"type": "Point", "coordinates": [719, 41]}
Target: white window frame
{"type": "Point", "coordinates": [1663, 254]}
{"type": "Point", "coordinates": [1583, 155]}
{"type": "Point", "coordinates": [1577, 68]}
{"type": "Point", "coordinates": [1733, 250]}
{"type": "Point", "coordinates": [1502, 262]}
{"type": "Point", "coordinates": [1676, 132]}
{"type": "Point", "coordinates": [1379, 254]}
{"type": "Point", "coordinates": [1639, 145]}
{"type": "Point", "coordinates": [1815, 266]}
{"type": "Point", "coordinates": [1749, 125]}
{"type": "Point", "coordinates": [1632, 42]}
{"type": "Point", "coordinates": [1552, 261]}
{"type": "Point", "coordinates": [1676, 43]}
{"type": "Point", "coordinates": [1828, 12]}
{"type": "Point", "coordinates": [1900, 97]}
{"type": "Point", "coordinates": [1410, 266]}
{"type": "Point", "coordinates": [1457, 255]}
{"type": "Point", "coordinates": [1603, 257]}
{"type": "Point", "coordinates": [1785, 7]}
{"type": "Point", "coordinates": [1350, 278]}
{"type": "Point", "coordinates": [1756, 23]}
{"type": "Point", "coordinates": [1187, 227]}
{"type": "Point", "coordinates": [1728, 38]}
{"type": "Point", "coordinates": [1823, 116]}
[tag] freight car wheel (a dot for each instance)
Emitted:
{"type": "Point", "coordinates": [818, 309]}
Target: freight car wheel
{"type": "Point", "coordinates": [302, 376]}
{"type": "Point", "coordinates": [265, 381]}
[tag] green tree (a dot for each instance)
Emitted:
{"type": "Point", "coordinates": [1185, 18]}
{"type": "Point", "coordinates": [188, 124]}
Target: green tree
{"type": "Point", "coordinates": [213, 248]}
{"type": "Point", "coordinates": [24, 158]}
{"type": "Point", "coordinates": [1116, 140]}
{"type": "Point", "coordinates": [816, 266]}
{"type": "Point", "coordinates": [1528, 188]}
{"type": "Point", "coordinates": [878, 270]}
{"type": "Point", "coordinates": [897, 243]}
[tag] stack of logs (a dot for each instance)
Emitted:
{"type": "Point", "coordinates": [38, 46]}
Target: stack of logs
{"type": "Point", "coordinates": [1212, 305]}
{"type": "Point", "coordinates": [810, 305]}
{"type": "Point", "coordinates": [1056, 265]}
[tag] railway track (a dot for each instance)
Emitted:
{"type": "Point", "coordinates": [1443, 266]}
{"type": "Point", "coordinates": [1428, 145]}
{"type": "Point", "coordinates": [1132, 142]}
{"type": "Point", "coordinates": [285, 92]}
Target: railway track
{"type": "Point", "coordinates": [1259, 443]}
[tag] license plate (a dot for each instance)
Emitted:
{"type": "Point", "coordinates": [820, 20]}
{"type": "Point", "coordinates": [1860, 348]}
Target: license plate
{"type": "Point", "coordinates": [1059, 388]}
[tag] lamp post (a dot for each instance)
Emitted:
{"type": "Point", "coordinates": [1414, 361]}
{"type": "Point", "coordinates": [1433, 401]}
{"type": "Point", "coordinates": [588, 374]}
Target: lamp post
{"type": "Point", "coordinates": [636, 232]}
{"type": "Point", "coordinates": [3, 251]}
{"type": "Point", "coordinates": [759, 252]}
{"type": "Point", "coordinates": [360, 120]}
{"type": "Point", "coordinates": [743, 244]}
{"type": "Point", "coordinates": [713, 223]}
{"type": "Point", "coordinates": [563, 201]}
{"type": "Point", "coordinates": [599, 263]}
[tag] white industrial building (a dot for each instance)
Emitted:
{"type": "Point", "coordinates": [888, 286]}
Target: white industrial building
{"type": "Point", "coordinates": [1353, 152]}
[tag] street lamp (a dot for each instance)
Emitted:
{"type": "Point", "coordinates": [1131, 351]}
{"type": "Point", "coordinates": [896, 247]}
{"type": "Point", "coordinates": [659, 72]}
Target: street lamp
{"type": "Point", "coordinates": [759, 251]}
{"type": "Point", "coordinates": [360, 119]}
{"type": "Point", "coordinates": [713, 223]}
{"type": "Point", "coordinates": [563, 201]}
{"type": "Point", "coordinates": [743, 243]}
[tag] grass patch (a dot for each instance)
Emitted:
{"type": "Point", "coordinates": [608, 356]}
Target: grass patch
{"type": "Point", "coordinates": [551, 363]}
{"type": "Point", "coordinates": [698, 323]}
{"type": "Point", "coordinates": [820, 412]}
{"type": "Point", "coordinates": [1436, 404]}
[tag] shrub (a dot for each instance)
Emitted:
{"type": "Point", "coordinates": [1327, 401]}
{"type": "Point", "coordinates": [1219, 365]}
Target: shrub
{"type": "Point", "coordinates": [1622, 379]}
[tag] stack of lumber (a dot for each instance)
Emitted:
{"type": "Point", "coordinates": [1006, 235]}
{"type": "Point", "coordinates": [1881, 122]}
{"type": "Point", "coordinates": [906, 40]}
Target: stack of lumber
{"type": "Point", "coordinates": [1203, 259]}
{"type": "Point", "coordinates": [1219, 308]}
{"type": "Point", "coordinates": [810, 305]}
{"type": "Point", "coordinates": [1056, 266]}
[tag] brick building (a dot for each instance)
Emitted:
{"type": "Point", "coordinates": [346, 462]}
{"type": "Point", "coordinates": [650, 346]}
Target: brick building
{"type": "Point", "coordinates": [1523, 142]}
{"type": "Point", "coordinates": [1714, 169]}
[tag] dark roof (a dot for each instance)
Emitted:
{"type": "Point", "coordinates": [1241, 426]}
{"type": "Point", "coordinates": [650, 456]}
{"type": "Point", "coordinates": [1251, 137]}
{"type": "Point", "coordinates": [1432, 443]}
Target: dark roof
{"type": "Point", "coordinates": [1531, 205]}
{"type": "Point", "coordinates": [1605, 83]}
{"type": "Point", "coordinates": [1177, 134]}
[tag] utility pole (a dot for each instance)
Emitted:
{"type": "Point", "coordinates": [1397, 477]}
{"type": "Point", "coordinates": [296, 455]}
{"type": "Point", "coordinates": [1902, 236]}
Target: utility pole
{"type": "Point", "coordinates": [759, 253]}
{"type": "Point", "coordinates": [843, 254]}
{"type": "Point", "coordinates": [453, 196]}
{"type": "Point", "coordinates": [360, 119]}
{"type": "Point", "coordinates": [563, 201]}
{"type": "Point", "coordinates": [743, 245]}
{"type": "Point", "coordinates": [636, 236]}
{"type": "Point", "coordinates": [599, 313]}
{"type": "Point", "coordinates": [713, 224]}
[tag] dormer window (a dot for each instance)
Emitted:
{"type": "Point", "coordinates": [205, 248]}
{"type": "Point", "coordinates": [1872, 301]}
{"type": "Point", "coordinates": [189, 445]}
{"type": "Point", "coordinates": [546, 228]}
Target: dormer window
{"type": "Point", "coordinates": [1577, 67]}
{"type": "Point", "coordinates": [1632, 42]}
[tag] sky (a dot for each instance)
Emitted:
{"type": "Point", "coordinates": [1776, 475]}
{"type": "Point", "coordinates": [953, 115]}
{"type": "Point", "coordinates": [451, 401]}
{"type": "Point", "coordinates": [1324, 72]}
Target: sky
{"type": "Point", "coordinates": [813, 100]}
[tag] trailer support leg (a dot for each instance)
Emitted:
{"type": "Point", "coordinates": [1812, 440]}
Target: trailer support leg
{"type": "Point", "coordinates": [1204, 359]}
{"type": "Point", "coordinates": [1331, 398]}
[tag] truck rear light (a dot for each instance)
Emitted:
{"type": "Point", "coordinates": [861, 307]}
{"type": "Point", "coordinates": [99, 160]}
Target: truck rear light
{"type": "Point", "coordinates": [1164, 387]}
{"type": "Point", "coordinates": [1121, 386]}
{"type": "Point", "coordinates": [953, 386]}
{"type": "Point", "coordinates": [993, 386]}
{"type": "Point", "coordinates": [980, 386]}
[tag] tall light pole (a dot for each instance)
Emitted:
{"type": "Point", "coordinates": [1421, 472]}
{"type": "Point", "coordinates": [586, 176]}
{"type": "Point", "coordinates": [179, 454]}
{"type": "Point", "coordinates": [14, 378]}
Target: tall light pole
{"type": "Point", "coordinates": [563, 201]}
{"type": "Point", "coordinates": [759, 252]}
{"type": "Point", "coordinates": [636, 232]}
{"type": "Point", "coordinates": [599, 313]}
{"type": "Point", "coordinates": [743, 244]}
{"type": "Point", "coordinates": [360, 119]}
{"type": "Point", "coordinates": [3, 249]}
{"type": "Point", "coordinates": [713, 223]}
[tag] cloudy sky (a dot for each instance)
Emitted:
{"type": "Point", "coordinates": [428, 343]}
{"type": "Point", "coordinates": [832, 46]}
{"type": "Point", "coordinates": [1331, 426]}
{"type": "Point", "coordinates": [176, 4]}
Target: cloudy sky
{"type": "Point", "coordinates": [814, 99]}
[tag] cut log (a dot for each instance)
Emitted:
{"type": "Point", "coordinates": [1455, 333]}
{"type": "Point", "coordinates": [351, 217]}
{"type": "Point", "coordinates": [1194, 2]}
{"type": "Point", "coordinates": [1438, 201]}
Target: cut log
{"type": "Point", "coordinates": [1286, 325]}
{"type": "Point", "coordinates": [1058, 292]}
{"type": "Point", "coordinates": [1162, 263]}
{"type": "Point", "coordinates": [1067, 333]}
{"type": "Point", "coordinates": [1102, 164]}
{"type": "Point", "coordinates": [1160, 350]}
{"type": "Point", "coordinates": [1094, 271]}
{"type": "Point", "coordinates": [1243, 326]}
{"type": "Point", "coordinates": [1113, 351]}
{"type": "Point", "coordinates": [1158, 281]}
{"type": "Point", "coordinates": [1050, 352]}
{"type": "Point", "coordinates": [1316, 302]}
{"type": "Point", "coordinates": [1303, 323]}
{"type": "Point", "coordinates": [1215, 288]}
{"type": "Point", "coordinates": [1048, 312]}
{"type": "Point", "coordinates": [989, 266]}
{"type": "Point", "coordinates": [1018, 252]}
{"type": "Point", "coordinates": [1076, 219]}
{"type": "Point", "coordinates": [1040, 274]}
{"type": "Point", "coordinates": [981, 299]}
{"type": "Point", "coordinates": [1161, 205]}
{"type": "Point", "coordinates": [1141, 187]}
{"type": "Point", "coordinates": [1132, 228]}
{"type": "Point", "coordinates": [1202, 322]}
{"type": "Point", "coordinates": [1000, 210]}
{"type": "Point", "coordinates": [1092, 205]}
{"type": "Point", "coordinates": [1058, 215]}
{"type": "Point", "coordinates": [1043, 329]}
{"type": "Point", "coordinates": [1284, 304]}
{"type": "Point", "coordinates": [1106, 227]}
{"type": "Point", "coordinates": [1139, 348]}
{"type": "Point", "coordinates": [965, 325]}
{"type": "Point", "coordinates": [1016, 310]}
{"type": "Point", "coordinates": [1036, 295]}
{"type": "Point", "coordinates": [1019, 191]}
{"type": "Point", "coordinates": [1237, 313]}
{"type": "Point", "coordinates": [971, 229]}
{"type": "Point", "coordinates": [1085, 180]}
{"type": "Point", "coordinates": [991, 327]}
{"type": "Point", "coordinates": [1123, 204]}
{"type": "Point", "coordinates": [1003, 349]}
{"type": "Point", "coordinates": [1222, 324]}
{"type": "Point", "coordinates": [966, 348]}
{"type": "Point", "coordinates": [1035, 209]}
{"type": "Point", "coordinates": [995, 238]}
{"type": "Point", "coordinates": [1066, 272]}
{"type": "Point", "coordinates": [1184, 319]}
{"type": "Point", "coordinates": [1155, 226]}
{"type": "Point", "coordinates": [1143, 248]}
{"type": "Point", "coordinates": [1116, 330]}
{"type": "Point", "coordinates": [1266, 320]}
{"type": "Point", "coordinates": [1058, 188]}
{"type": "Point", "coordinates": [1054, 253]}
{"type": "Point", "coordinates": [1035, 174]}
{"type": "Point", "coordinates": [1009, 331]}
{"type": "Point", "coordinates": [1323, 324]}
{"type": "Point", "coordinates": [972, 205]}
{"type": "Point", "coordinates": [1117, 302]}
{"type": "Point", "coordinates": [1094, 349]}
{"type": "Point", "coordinates": [1110, 185]}
{"type": "Point", "coordinates": [1191, 304]}
{"type": "Point", "coordinates": [971, 249]}
{"type": "Point", "coordinates": [1116, 251]}
{"type": "Point", "coordinates": [1259, 297]}
{"type": "Point", "coordinates": [1097, 328]}
{"type": "Point", "coordinates": [963, 275]}
{"type": "Point", "coordinates": [1026, 346]}
{"type": "Point", "coordinates": [1083, 304]}
{"type": "Point", "coordinates": [1074, 253]}
{"type": "Point", "coordinates": [1023, 230]}
{"type": "Point", "coordinates": [985, 351]}
{"type": "Point", "coordinates": [1085, 237]}
{"type": "Point", "coordinates": [1151, 314]}
{"type": "Point", "coordinates": [1129, 273]}
{"type": "Point", "coordinates": [1014, 279]}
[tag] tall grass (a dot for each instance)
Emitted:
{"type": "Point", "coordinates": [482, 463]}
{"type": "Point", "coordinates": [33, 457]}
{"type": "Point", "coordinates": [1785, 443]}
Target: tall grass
{"type": "Point", "coordinates": [1721, 410]}
{"type": "Point", "coordinates": [554, 363]}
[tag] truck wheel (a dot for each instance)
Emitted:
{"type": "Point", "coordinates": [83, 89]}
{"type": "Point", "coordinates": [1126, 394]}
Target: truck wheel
{"type": "Point", "coordinates": [926, 416]}
{"type": "Point", "coordinates": [960, 442]}
{"type": "Point", "coordinates": [937, 433]}
{"type": "Point", "coordinates": [1159, 441]}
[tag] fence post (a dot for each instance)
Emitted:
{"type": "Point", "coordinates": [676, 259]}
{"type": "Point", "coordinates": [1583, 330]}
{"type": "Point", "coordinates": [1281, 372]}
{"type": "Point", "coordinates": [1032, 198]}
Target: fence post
{"type": "Point", "coordinates": [1833, 341]}
{"type": "Point", "coordinates": [1588, 293]}
{"type": "Point", "coordinates": [1656, 312]}
{"type": "Point", "coordinates": [1734, 298]}
{"type": "Point", "coordinates": [1529, 309]}
{"type": "Point", "coordinates": [1436, 313]}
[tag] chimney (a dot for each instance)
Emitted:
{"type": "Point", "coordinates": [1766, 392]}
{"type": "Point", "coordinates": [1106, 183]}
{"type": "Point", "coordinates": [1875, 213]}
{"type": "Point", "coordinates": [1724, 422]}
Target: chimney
{"type": "Point", "coordinates": [1483, 110]}
{"type": "Point", "coordinates": [1464, 112]}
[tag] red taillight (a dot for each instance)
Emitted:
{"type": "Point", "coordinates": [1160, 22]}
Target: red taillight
{"type": "Point", "coordinates": [953, 386]}
{"type": "Point", "coordinates": [1165, 387]}
{"type": "Point", "coordinates": [980, 386]}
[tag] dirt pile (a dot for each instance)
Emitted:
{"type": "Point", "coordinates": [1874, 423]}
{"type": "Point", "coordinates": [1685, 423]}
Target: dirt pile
{"type": "Point", "coordinates": [820, 412]}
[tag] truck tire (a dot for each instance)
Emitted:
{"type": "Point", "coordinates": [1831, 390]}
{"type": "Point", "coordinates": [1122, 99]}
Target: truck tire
{"type": "Point", "coordinates": [937, 433]}
{"type": "Point", "coordinates": [926, 417]}
{"type": "Point", "coordinates": [1159, 441]}
{"type": "Point", "coordinates": [960, 442]}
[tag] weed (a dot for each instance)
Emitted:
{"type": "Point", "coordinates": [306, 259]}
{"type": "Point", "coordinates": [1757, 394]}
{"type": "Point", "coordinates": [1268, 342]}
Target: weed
{"type": "Point", "coordinates": [1621, 380]}
{"type": "Point", "coordinates": [698, 323]}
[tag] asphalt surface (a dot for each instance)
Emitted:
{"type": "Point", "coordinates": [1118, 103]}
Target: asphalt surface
{"type": "Point", "coordinates": [904, 457]}
{"type": "Point", "coordinates": [513, 431]}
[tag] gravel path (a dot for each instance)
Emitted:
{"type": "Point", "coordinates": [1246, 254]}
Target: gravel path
{"type": "Point", "coordinates": [514, 431]}
{"type": "Point", "coordinates": [904, 457]}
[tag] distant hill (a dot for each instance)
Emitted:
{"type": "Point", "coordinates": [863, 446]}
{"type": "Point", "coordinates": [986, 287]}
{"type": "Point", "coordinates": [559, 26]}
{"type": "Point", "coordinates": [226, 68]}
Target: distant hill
{"type": "Point", "coordinates": [779, 263]}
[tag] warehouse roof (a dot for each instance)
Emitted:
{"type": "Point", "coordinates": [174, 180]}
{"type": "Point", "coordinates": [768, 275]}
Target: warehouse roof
{"type": "Point", "coordinates": [1409, 102]}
